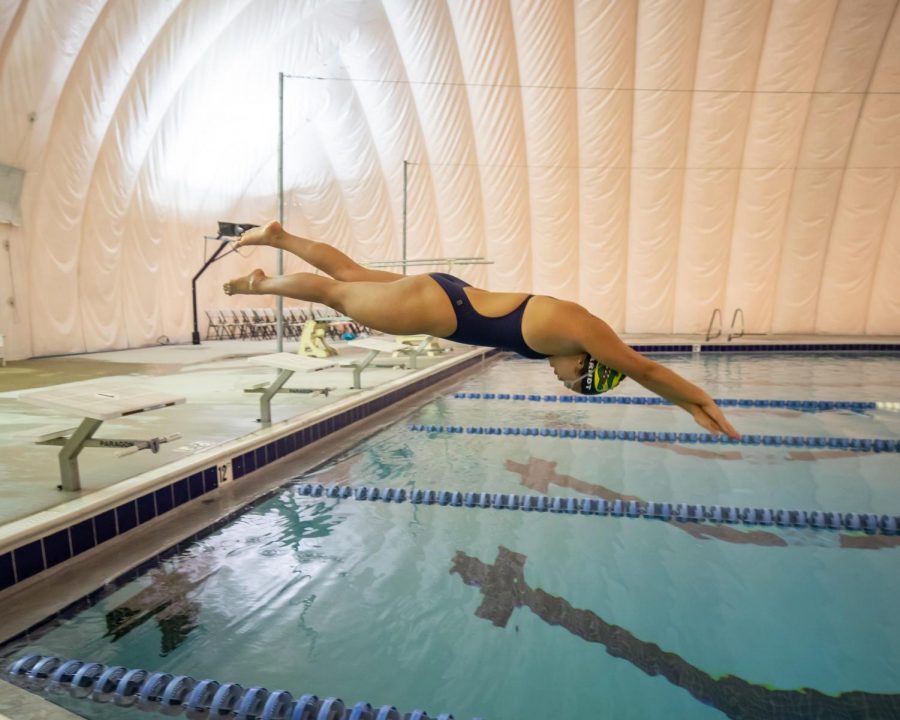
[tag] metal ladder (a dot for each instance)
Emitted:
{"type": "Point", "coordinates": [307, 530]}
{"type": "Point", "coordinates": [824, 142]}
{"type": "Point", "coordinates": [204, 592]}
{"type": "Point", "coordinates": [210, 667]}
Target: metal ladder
{"type": "Point", "coordinates": [731, 332]}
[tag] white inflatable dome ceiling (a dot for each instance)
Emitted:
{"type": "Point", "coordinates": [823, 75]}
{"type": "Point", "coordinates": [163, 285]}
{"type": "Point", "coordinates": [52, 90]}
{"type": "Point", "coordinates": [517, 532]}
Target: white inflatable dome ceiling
{"type": "Point", "coordinates": [650, 159]}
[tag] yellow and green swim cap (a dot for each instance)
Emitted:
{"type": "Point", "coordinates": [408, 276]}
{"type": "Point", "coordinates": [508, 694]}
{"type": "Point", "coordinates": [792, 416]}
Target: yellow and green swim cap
{"type": "Point", "coordinates": [597, 378]}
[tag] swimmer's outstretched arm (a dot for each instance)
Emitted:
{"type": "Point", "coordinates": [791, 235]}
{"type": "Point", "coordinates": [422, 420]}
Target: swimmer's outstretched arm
{"type": "Point", "coordinates": [597, 338]}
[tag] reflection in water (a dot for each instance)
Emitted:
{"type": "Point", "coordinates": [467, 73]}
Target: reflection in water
{"type": "Point", "coordinates": [504, 588]}
{"type": "Point", "coordinates": [335, 473]}
{"type": "Point", "coordinates": [165, 600]}
{"type": "Point", "coordinates": [285, 526]}
{"type": "Point", "coordinates": [375, 461]}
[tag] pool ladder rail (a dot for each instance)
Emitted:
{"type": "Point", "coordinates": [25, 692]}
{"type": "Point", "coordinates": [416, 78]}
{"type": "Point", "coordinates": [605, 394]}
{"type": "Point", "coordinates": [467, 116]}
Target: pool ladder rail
{"type": "Point", "coordinates": [171, 695]}
{"type": "Point", "coordinates": [868, 523]}
{"type": "Point", "coordinates": [731, 332]}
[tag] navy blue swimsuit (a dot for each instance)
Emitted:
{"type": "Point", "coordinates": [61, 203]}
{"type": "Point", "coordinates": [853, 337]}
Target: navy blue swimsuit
{"type": "Point", "coordinates": [473, 328]}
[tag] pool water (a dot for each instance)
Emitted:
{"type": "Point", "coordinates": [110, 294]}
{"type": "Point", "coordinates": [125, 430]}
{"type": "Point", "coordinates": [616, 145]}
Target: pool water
{"type": "Point", "coordinates": [502, 614]}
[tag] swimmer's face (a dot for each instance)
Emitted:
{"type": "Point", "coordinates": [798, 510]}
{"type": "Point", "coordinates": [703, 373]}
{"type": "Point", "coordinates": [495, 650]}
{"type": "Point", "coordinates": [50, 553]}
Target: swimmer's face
{"type": "Point", "coordinates": [569, 368]}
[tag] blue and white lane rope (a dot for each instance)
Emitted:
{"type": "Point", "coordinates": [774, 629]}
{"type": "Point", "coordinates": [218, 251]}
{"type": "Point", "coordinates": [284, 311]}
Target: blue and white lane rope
{"type": "Point", "coordinates": [169, 694]}
{"type": "Point", "coordinates": [682, 512]}
{"type": "Point", "coordinates": [835, 443]}
{"type": "Point", "coordinates": [808, 405]}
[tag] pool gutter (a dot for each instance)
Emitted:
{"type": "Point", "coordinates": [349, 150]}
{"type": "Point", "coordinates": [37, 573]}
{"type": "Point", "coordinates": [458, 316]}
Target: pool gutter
{"type": "Point", "coordinates": [17, 704]}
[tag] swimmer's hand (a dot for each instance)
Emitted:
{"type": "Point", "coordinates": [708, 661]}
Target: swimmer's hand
{"type": "Point", "coordinates": [577, 327]}
{"type": "Point", "coordinates": [708, 415]}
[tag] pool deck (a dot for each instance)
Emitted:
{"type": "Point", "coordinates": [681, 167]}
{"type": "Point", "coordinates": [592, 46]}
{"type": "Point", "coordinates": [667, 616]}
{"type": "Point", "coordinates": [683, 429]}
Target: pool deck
{"type": "Point", "coordinates": [211, 376]}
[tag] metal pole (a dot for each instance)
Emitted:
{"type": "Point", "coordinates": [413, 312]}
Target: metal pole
{"type": "Point", "coordinates": [405, 185]}
{"type": "Point", "coordinates": [279, 268]}
{"type": "Point", "coordinates": [195, 337]}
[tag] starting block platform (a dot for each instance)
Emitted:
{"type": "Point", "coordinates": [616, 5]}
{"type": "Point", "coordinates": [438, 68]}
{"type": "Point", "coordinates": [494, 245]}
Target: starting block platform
{"type": "Point", "coordinates": [410, 347]}
{"type": "Point", "coordinates": [96, 402]}
{"type": "Point", "coordinates": [423, 345]}
{"type": "Point", "coordinates": [287, 364]}
{"type": "Point", "coordinates": [290, 363]}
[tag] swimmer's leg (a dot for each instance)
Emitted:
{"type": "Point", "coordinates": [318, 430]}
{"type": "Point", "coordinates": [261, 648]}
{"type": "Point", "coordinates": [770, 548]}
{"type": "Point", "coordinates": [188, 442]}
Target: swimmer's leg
{"type": "Point", "coordinates": [409, 306]}
{"type": "Point", "coordinates": [328, 259]}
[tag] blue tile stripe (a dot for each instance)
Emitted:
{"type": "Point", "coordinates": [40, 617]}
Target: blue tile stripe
{"type": "Point", "coordinates": [805, 347]}
{"type": "Point", "coordinates": [772, 347]}
{"type": "Point", "coordinates": [7, 572]}
{"type": "Point", "coordinates": [663, 348]}
{"type": "Point", "coordinates": [60, 546]}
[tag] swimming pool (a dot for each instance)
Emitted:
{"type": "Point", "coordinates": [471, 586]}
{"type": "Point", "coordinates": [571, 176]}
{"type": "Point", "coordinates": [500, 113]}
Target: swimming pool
{"type": "Point", "coordinates": [504, 614]}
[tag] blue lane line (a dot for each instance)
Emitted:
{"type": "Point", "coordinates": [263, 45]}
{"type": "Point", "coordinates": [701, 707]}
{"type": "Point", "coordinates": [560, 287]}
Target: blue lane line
{"type": "Point", "coordinates": [807, 405]}
{"type": "Point", "coordinates": [835, 443]}
{"type": "Point", "coordinates": [171, 694]}
{"type": "Point", "coordinates": [683, 512]}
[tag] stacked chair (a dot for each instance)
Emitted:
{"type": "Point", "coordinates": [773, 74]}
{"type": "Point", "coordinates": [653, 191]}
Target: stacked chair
{"type": "Point", "coordinates": [262, 323]}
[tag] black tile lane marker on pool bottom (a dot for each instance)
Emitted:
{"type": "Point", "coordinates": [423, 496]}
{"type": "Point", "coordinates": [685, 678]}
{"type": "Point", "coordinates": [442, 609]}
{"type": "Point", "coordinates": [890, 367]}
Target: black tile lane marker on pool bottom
{"type": "Point", "coordinates": [505, 589]}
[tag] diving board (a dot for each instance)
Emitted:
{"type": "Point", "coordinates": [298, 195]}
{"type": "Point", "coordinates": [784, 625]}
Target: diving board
{"type": "Point", "coordinates": [96, 402]}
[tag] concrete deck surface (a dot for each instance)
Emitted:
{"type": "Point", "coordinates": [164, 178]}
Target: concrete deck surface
{"type": "Point", "coordinates": [212, 376]}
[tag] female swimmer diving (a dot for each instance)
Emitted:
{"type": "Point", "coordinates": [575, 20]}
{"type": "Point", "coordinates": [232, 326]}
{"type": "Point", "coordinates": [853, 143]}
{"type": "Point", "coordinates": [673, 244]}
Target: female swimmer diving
{"type": "Point", "coordinates": [581, 348]}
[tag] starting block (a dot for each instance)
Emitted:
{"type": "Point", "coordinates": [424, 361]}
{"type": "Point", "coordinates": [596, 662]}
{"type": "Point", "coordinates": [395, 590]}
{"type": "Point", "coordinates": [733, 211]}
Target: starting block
{"type": "Point", "coordinates": [395, 347]}
{"type": "Point", "coordinates": [287, 364]}
{"type": "Point", "coordinates": [96, 402]}
{"type": "Point", "coordinates": [424, 345]}
{"type": "Point", "coordinates": [312, 341]}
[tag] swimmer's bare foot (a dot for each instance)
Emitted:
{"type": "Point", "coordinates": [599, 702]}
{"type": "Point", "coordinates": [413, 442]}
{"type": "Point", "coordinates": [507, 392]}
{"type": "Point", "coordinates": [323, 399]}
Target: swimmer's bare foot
{"type": "Point", "coordinates": [268, 234]}
{"type": "Point", "coordinates": [247, 285]}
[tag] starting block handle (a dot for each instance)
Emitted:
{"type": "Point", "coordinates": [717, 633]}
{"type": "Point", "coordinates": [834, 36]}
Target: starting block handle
{"type": "Point", "coordinates": [152, 445]}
